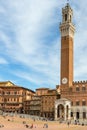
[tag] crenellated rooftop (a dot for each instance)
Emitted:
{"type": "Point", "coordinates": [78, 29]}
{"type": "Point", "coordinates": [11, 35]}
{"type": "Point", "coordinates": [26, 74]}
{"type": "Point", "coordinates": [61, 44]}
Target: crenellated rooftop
{"type": "Point", "coordinates": [80, 82]}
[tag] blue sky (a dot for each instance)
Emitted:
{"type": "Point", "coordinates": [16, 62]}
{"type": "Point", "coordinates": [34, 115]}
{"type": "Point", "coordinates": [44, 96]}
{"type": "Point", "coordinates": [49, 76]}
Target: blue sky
{"type": "Point", "coordinates": [30, 41]}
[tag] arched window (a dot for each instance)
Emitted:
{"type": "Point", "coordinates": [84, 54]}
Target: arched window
{"type": "Point", "coordinates": [77, 103]}
{"type": "Point", "coordinates": [83, 88]}
{"type": "Point", "coordinates": [77, 88]}
{"type": "Point", "coordinates": [65, 17]}
{"type": "Point", "coordinates": [15, 92]}
{"type": "Point", "coordinates": [83, 102]}
{"type": "Point", "coordinates": [72, 103]}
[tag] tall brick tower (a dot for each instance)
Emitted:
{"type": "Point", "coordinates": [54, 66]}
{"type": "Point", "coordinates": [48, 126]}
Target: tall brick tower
{"type": "Point", "coordinates": [67, 30]}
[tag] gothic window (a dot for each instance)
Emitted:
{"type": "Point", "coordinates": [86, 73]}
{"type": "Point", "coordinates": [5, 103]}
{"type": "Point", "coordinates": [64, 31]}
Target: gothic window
{"type": "Point", "coordinates": [83, 88]}
{"type": "Point", "coordinates": [77, 103]}
{"type": "Point", "coordinates": [77, 88]}
{"type": "Point", "coordinates": [15, 92]}
{"type": "Point", "coordinates": [8, 92]}
{"type": "Point", "coordinates": [65, 17]}
{"type": "Point", "coordinates": [83, 103]}
{"type": "Point", "coordinates": [71, 103]}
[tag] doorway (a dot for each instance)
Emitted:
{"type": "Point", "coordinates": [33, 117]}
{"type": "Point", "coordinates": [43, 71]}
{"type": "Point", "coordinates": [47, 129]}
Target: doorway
{"type": "Point", "coordinates": [60, 111]}
{"type": "Point", "coordinates": [77, 115]}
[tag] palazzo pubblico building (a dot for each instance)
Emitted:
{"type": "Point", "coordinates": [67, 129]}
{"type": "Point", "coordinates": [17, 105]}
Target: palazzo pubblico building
{"type": "Point", "coordinates": [73, 95]}
{"type": "Point", "coordinates": [66, 101]}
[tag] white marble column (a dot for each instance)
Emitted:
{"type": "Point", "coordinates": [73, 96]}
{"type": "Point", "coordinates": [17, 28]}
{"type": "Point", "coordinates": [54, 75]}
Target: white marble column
{"type": "Point", "coordinates": [86, 115]}
{"type": "Point", "coordinates": [65, 112]}
{"type": "Point", "coordinates": [55, 113]}
{"type": "Point", "coordinates": [74, 115]}
{"type": "Point", "coordinates": [60, 112]}
{"type": "Point", "coordinates": [69, 113]}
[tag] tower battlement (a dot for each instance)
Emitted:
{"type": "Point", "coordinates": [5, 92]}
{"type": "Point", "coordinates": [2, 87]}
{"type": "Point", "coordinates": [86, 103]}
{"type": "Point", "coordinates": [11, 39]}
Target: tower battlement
{"type": "Point", "coordinates": [80, 82]}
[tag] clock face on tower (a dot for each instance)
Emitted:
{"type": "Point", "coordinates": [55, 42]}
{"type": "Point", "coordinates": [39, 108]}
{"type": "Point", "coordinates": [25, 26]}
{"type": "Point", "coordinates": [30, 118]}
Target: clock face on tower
{"type": "Point", "coordinates": [64, 80]}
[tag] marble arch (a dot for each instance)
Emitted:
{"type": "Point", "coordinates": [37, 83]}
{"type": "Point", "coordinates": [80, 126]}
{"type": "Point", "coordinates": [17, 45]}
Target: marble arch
{"type": "Point", "coordinates": [62, 109]}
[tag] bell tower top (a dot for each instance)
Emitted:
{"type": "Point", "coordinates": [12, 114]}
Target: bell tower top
{"type": "Point", "coordinates": [67, 13]}
{"type": "Point", "coordinates": [66, 27]}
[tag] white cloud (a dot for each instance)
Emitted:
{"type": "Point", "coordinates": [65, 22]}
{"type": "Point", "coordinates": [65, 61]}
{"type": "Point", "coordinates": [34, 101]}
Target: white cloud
{"type": "Point", "coordinates": [28, 32]}
{"type": "Point", "coordinates": [28, 41]}
{"type": "Point", "coordinates": [80, 44]}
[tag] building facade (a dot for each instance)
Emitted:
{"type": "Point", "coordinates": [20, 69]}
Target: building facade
{"type": "Point", "coordinates": [13, 96]}
{"type": "Point", "coordinates": [48, 103]}
{"type": "Point", "coordinates": [35, 105]}
{"type": "Point", "coordinates": [73, 101]}
{"type": "Point", "coordinates": [42, 103]}
{"type": "Point", "coordinates": [67, 101]}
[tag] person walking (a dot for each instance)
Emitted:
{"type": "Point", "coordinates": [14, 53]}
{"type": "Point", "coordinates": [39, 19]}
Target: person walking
{"type": "Point", "coordinates": [68, 123]}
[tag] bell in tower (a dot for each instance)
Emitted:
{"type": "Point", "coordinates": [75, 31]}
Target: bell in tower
{"type": "Point", "coordinates": [67, 27]}
{"type": "Point", "coordinates": [67, 14]}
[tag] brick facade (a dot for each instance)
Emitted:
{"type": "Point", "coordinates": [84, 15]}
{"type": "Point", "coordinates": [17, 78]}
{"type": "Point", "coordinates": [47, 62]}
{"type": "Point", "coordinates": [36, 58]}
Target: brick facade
{"type": "Point", "coordinates": [12, 97]}
{"type": "Point", "coordinates": [73, 94]}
